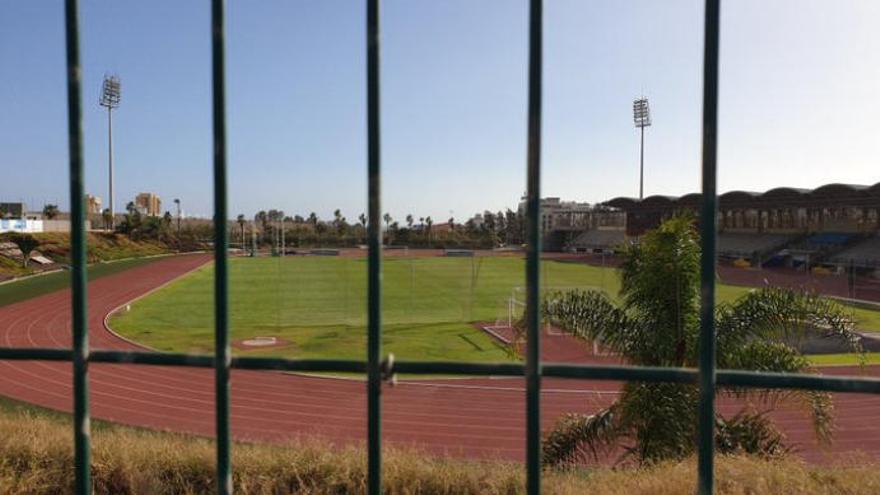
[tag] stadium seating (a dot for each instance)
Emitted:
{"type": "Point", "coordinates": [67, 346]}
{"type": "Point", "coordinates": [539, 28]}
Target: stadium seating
{"type": "Point", "coordinates": [598, 239]}
{"type": "Point", "coordinates": [749, 245]}
{"type": "Point", "coordinates": [829, 239]}
{"type": "Point", "coordinates": [823, 242]}
{"type": "Point", "coordinates": [865, 253]}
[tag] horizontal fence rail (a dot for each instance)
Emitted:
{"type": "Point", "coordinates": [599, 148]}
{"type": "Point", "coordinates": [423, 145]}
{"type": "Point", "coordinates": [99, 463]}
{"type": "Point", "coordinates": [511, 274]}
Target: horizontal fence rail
{"type": "Point", "coordinates": [377, 368]}
{"type": "Point", "coordinates": [724, 377]}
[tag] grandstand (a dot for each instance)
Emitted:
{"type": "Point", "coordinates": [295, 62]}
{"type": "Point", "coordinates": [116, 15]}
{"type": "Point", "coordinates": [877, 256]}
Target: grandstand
{"type": "Point", "coordinates": [784, 226]}
{"type": "Point", "coordinates": [751, 247]}
{"type": "Point", "coordinates": [597, 240]}
{"type": "Point", "coordinates": [818, 248]}
{"type": "Point", "coordinates": [861, 254]}
{"type": "Point", "coordinates": [823, 241]}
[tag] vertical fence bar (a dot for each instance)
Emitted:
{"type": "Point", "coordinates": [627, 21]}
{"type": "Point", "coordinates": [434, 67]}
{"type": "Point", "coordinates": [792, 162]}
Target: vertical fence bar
{"type": "Point", "coordinates": [533, 255]}
{"type": "Point", "coordinates": [374, 274]}
{"type": "Point", "coordinates": [708, 219]}
{"type": "Point", "coordinates": [81, 422]}
{"type": "Point", "coordinates": [222, 353]}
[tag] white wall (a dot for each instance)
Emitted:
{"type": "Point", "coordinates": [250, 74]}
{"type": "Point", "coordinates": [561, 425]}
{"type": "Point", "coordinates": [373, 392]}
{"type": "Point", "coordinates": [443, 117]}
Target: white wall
{"type": "Point", "coordinates": [17, 225]}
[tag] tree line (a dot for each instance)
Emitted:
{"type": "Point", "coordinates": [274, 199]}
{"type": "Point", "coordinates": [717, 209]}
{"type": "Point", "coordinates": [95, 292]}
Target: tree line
{"type": "Point", "coordinates": [274, 227]}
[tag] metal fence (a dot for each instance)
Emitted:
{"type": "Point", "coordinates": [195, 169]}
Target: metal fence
{"type": "Point", "coordinates": [377, 367]}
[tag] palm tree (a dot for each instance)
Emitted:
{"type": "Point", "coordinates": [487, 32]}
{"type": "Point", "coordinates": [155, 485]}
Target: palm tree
{"type": "Point", "coordinates": [262, 218]}
{"type": "Point", "coordinates": [387, 218]}
{"type": "Point", "coordinates": [177, 204]}
{"type": "Point", "coordinates": [409, 220]}
{"type": "Point", "coordinates": [428, 223]}
{"type": "Point", "coordinates": [50, 211]}
{"type": "Point", "coordinates": [25, 243]}
{"type": "Point", "coordinates": [340, 224]}
{"type": "Point", "coordinates": [656, 323]}
{"type": "Point", "coordinates": [241, 222]}
{"type": "Point", "coordinates": [107, 217]}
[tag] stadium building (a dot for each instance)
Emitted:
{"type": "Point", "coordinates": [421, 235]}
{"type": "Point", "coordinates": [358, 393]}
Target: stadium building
{"type": "Point", "coordinates": [832, 225]}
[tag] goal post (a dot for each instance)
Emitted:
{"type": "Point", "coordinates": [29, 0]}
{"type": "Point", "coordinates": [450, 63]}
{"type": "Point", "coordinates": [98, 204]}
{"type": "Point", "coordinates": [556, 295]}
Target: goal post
{"type": "Point", "coordinates": [514, 308]}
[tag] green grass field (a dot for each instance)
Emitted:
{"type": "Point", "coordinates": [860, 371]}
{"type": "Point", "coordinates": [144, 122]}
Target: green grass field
{"type": "Point", "coordinates": [318, 305]}
{"type": "Point", "coordinates": [849, 359]}
{"type": "Point", "coordinates": [28, 288]}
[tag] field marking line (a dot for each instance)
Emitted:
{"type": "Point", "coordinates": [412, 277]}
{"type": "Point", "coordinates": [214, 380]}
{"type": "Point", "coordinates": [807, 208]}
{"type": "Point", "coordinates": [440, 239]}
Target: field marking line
{"type": "Point", "coordinates": [511, 389]}
{"type": "Point", "coordinates": [106, 319]}
{"type": "Point", "coordinates": [490, 329]}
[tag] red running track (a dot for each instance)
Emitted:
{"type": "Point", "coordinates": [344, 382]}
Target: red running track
{"type": "Point", "coordinates": [470, 417]}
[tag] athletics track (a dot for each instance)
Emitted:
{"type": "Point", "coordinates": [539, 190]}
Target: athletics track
{"type": "Point", "coordinates": [480, 417]}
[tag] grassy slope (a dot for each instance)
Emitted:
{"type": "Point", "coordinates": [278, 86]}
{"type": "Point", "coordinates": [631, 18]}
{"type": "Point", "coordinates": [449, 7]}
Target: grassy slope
{"type": "Point", "coordinates": [36, 458]}
{"type": "Point", "coordinates": [319, 305]}
{"type": "Point", "coordinates": [101, 247]}
{"type": "Point", "coordinates": [37, 286]}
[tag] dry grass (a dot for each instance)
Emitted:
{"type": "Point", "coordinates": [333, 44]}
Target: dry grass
{"type": "Point", "coordinates": [36, 459]}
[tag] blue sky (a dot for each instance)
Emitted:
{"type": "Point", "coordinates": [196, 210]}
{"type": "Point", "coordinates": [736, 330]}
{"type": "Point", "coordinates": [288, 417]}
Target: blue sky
{"type": "Point", "coordinates": [798, 103]}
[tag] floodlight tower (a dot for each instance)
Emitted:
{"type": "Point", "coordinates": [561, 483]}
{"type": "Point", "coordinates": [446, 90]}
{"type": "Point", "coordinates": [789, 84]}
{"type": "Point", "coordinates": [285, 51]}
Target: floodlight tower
{"type": "Point", "coordinates": [642, 119]}
{"type": "Point", "coordinates": [109, 99]}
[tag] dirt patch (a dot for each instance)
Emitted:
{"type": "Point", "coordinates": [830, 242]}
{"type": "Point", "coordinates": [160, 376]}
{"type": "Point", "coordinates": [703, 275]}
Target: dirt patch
{"type": "Point", "coordinates": [556, 345]}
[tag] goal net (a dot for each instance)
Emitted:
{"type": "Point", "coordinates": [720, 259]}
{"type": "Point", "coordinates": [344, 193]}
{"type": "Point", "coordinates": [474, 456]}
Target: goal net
{"type": "Point", "coordinates": [511, 312]}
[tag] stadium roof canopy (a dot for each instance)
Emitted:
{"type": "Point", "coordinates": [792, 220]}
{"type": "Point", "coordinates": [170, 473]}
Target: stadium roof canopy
{"type": "Point", "coordinates": [836, 195]}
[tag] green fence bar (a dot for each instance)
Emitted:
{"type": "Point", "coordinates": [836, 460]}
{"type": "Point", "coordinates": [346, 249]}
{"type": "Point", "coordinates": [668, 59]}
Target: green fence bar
{"type": "Point", "coordinates": [533, 255]}
{"type": "Point", "coordinates": [80, 354]}
{"type": "Point", "coordinates": [33, 353]}
{"type": "Point", "coordinates": [708, 219]}
{"type": "Point", "coordinates": [724, 377]}
{"type": "Point", "coordinates": [374, 270]}
{"type": "Point", "coordinates": [222, 351]}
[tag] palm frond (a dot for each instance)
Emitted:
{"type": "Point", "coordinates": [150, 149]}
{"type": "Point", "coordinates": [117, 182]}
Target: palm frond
{"type": "Point", "coordinates": [591, 316]}
{"type": "Point", "coordinates": [576, 437]}
{"type": "Point", "coordinates": [749, 432]}
{"type": "Point", "coordinates": [763, 355]}
{"type": "Point", "coordinates": [759, 355]}
{"type": "Point", "coordinates": [778, 313]}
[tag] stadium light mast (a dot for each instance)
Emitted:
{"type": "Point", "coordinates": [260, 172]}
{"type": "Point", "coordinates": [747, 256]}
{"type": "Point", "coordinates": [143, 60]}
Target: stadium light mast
{"type": "Point", "coordinates": [642, 119]}
{"type": "Point", "coordinates": [110, 92]}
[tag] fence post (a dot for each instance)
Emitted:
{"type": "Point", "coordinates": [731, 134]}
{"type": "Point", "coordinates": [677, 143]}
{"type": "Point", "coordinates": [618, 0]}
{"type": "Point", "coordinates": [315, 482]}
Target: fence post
{"type": "Point", "coordinates": [708, 219]}
{"type": "Point", "coordinates": [533, 255]}
{"type": "Point", "coordinates": [81, 422]}
{"type": "Point", "coordinates": [374, 270]}
{"type": "Point", "coordinates": [222, 352]}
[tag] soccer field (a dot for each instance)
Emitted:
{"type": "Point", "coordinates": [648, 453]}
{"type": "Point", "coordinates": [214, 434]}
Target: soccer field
{"type": "Point", "coordinates": [318, 305]}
